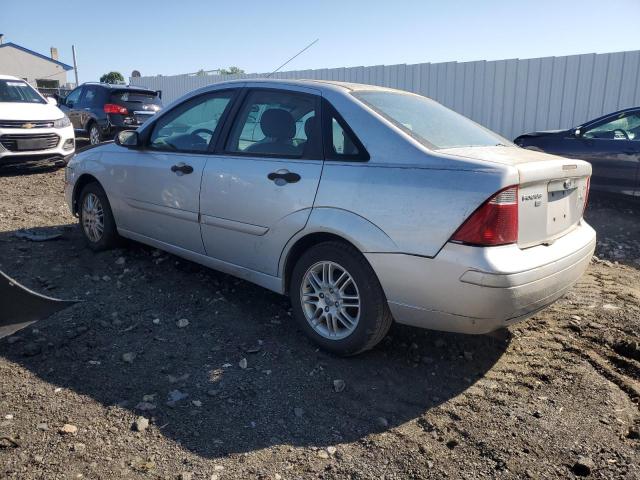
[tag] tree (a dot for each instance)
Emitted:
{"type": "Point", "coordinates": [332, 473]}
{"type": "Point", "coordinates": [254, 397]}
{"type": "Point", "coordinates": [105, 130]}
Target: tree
{"type": "Point", "coordinates": [231, 71]}
{"type": "Point", "coordinates": [112, 77]}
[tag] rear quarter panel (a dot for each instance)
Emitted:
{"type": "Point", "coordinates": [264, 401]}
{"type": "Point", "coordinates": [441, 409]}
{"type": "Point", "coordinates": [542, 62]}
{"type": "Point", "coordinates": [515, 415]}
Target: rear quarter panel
{"type": "Point", "coordinates": [418, 208]}
{"type": "Point", "coordinates": [417, 197]}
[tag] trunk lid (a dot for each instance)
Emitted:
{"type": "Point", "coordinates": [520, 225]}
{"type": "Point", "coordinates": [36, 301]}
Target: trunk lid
{"type": "Point", "coordinates": [551, 193]}
{"type": "Point", "coordinates": [141, 104]}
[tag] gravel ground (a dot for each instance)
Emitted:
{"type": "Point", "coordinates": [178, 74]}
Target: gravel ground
{"type": "Point", "coordinates": [169, 370]}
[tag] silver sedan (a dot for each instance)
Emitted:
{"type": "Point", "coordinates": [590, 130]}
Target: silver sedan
{"type": "Point", "coordinates": [366, 205]}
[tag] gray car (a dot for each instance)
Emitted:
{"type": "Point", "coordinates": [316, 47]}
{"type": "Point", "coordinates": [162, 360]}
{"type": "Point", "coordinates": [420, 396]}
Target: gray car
{"type": "Point", "coordinates": [364, 204]}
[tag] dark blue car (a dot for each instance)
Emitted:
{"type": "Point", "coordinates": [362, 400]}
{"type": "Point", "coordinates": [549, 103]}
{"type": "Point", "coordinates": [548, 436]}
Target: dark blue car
{"type": "Point", "coordinates": [610, 143]}
{"type": "Point", "coordinates": [101, 110]}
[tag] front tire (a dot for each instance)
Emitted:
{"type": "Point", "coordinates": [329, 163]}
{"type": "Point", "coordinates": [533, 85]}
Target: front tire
{"type": "Point", "coordinates": [96, 219]}
{"type": "Point", "coordinates": [337, 299]}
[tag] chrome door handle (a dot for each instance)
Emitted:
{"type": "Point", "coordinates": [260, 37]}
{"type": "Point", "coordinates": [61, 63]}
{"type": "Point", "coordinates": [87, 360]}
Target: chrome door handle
{"type": "Point", "coordinates": [283, 176]}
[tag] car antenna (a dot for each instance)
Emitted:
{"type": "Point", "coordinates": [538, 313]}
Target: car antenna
{"type": "Point", "coordinates": [301, 51]}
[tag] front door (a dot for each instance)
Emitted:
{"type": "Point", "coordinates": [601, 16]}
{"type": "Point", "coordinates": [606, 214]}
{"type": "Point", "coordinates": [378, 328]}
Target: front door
{"type": "Point", "coordinates": [70, 107]}
{"type": "Point", "coordinates": [612, 146]}
{"type": "Point", "coordinates": [161, 192]}
{"type": "Point", "coordinates": [87, 101]}
{"type": "Point", "coordinates": [258, 190]}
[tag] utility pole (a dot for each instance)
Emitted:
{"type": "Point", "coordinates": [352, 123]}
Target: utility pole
{"type": "Point", "coordinates": [75, 65]}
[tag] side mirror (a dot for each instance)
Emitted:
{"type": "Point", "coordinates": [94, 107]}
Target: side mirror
{"type": "Point", "coordinates": [128, 139]}
{"type": "Point", "coordinates": [68, 103]}
{"type": "Point", "coordinates": [577, 133]}
{"type": "Point", "coordinates": [52, 101]}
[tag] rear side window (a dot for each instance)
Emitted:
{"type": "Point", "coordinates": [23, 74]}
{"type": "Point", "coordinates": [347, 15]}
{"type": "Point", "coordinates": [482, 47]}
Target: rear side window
{"type": "Point", "coordinates": [276, 123]}
{"type": "Point", "coordinates": [340, 143]}
{"type": "Point", "coordinates": [91, 97]}
{"type": "Point", "coordinates": [191, 126]}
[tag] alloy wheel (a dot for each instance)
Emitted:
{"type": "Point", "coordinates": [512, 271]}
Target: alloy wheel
{"type": "Point", "coordinates": [94, 135]}
{"type": "Point", "coordinates": [92, 217]}
{"type": "Point", "coordinates": [330, 300]}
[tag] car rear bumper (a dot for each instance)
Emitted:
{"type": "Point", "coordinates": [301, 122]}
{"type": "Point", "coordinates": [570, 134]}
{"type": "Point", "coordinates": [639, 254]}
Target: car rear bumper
{"type": "Point", "coordinates": [476, 290]}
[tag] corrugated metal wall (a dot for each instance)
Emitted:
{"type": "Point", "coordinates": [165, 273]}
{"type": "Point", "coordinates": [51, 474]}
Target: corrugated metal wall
{"type": "Point", "coordinates": [508, 96]}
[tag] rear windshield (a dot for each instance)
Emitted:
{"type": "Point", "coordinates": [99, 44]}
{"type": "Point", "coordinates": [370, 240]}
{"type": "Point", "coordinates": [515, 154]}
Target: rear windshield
{"type": "Point", "coordinates": [135, 96]}
{"type": "Point", "coordinates": [17, 91]}
{"type": "Point", "coordinates": [427, 121]}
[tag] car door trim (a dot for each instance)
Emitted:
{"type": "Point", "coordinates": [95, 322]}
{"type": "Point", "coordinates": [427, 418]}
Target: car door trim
{"type": "Point", "coordinates": [162, 210]}
{"type": "Point", "coordinates": [225, 223]}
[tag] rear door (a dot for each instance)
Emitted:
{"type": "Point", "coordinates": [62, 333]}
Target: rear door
{"type": "Point", "coordinates": [161, 187]}
{"type": "Point", "coordinates": [259, 188]}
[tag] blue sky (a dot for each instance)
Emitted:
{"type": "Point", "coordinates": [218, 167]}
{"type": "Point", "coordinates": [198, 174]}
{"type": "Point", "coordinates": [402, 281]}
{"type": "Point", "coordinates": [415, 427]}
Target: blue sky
{"type": "Point", "coordinates": [171, 37]}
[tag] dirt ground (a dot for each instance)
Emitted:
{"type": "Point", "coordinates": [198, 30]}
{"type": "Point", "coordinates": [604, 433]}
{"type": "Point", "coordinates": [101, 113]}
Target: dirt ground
{"type": "Point", "coordinates": [554, 397]}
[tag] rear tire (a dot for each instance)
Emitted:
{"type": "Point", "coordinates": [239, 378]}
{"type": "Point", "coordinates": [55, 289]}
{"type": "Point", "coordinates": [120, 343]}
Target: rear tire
{"type": "Point", "coordinates": [95, 137]}
{"type": "Point", "coordinates": [96, 219]}
{"type": "Point", "coordinates": [327, 283]}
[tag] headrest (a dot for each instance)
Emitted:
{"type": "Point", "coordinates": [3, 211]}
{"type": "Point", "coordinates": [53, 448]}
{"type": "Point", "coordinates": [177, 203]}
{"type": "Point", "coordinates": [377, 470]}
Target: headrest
{"type": "Point", "coordinates": [278, 123]}
{"type": "Point", "coordinates": [309, 126]}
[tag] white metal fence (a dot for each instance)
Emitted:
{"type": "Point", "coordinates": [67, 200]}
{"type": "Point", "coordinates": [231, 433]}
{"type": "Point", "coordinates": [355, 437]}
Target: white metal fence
{"type": "Point", "coordinates": [508, 96]}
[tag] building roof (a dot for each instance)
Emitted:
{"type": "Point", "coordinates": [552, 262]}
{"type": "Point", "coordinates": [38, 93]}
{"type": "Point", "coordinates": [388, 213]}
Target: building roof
{"type": "Point", "coordinates": [44, 57]}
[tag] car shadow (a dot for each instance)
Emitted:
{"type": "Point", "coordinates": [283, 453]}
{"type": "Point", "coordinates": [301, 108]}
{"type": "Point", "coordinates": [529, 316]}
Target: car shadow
{"type": "Point", "coordinates": [29, 168]}
{"type": "Point", "coordinates": [617, 223]}
{"type": "Point", "coordinates": [41, 165]}
{"type": "Point", "coordinates": [125, 347]}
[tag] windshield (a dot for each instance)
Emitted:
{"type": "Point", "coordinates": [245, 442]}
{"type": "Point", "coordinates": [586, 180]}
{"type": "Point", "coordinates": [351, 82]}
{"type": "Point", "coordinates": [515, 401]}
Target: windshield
{"type": "Point", "coordinates": [429, 122]}
{"type": "Point", "coordinates": [17, 91]}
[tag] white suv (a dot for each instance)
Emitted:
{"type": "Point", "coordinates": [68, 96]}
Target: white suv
{"type": "Point", "coordinates": [31, 126]}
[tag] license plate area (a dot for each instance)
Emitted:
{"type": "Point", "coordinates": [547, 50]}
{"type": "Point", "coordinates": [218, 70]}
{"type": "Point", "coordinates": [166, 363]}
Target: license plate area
{"type": "Point", "coordinates": [562, 205]}
{"type": "Point", "coordinates": [31, 144]}
{"type": "Point", "coordinates": [141, 118]}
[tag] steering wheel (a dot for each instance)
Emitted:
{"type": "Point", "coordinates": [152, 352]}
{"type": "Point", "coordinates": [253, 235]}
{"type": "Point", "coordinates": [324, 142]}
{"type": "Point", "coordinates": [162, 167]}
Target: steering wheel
{"type": "Point", "coordinates": [620, 131]}
{"type": "Point", "coordinates": [202, 130]}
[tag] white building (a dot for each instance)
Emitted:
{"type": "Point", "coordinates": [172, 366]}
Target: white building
{"type": "Point", "coordinates": [37, 69]}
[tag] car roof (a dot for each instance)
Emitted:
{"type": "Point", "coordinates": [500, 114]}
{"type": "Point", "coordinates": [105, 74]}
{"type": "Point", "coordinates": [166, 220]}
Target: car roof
{"type": "Point", "coordinates": [10, 77]}
{"type": "Point", "coordinates": [319, 84]}
{"type": "Point", "coordinates": [115, 86]}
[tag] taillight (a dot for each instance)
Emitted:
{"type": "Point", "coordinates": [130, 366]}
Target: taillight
{"type": "Point", "coordinates": [113, 108]}
{"type": "Point", "coordinates": [495, 222]}
{"type": "Point", "coordinates": [586, 195]}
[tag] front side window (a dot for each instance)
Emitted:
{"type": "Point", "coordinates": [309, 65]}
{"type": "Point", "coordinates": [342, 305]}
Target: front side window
{"type": "Point", "coordinates": [73, 97]}
{"type": "Point", "coordinates": [191, 126]}
{"type": "Point", "coordinates": [430, 123]}
{"type": "Point", "coordinates": [275, 123]}
{"type": "Point", "coordinates": [626, 126]}
{"type": "Point", "coordinates": [17, 91]}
